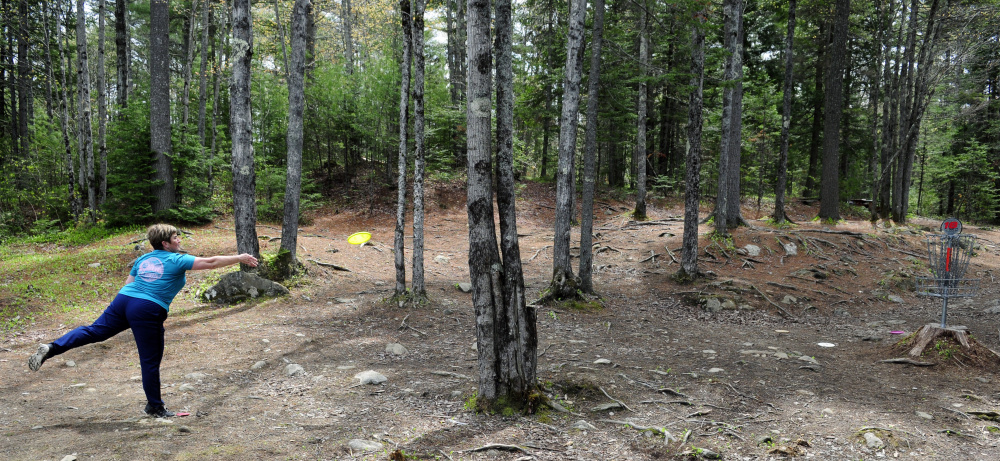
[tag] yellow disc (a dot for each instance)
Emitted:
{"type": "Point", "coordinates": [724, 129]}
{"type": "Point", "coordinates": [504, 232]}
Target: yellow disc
{"type": "Point", "coordinates": [358, 238]}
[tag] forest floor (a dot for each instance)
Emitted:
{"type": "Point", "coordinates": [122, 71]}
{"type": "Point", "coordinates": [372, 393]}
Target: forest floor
{"type": "Point", "coordinates": [730, 367]}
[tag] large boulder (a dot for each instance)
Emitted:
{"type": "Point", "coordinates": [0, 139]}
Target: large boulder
{"type": "Point", "coordinates": [240, 286]}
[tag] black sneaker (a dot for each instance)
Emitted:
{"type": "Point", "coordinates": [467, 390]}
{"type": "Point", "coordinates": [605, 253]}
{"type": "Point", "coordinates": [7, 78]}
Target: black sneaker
{"type": "Point", "coordinates": [158, 412]}
{"type": "Point", "coordinates": [35, 361]}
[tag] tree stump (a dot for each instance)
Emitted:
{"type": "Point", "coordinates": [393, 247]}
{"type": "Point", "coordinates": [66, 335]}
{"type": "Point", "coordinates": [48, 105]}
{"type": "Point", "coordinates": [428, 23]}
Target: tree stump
{"type": "Point", "coordinates": [931, 331]}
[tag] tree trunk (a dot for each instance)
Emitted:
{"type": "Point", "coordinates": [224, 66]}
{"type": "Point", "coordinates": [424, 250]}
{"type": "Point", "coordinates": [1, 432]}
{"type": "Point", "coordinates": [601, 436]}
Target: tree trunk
{"type": "Point", "coordinates": [564, 283]}
{"type": "Point", "coordinates": [296, 105]}
{"type": "Point", "coordinates": [692, 194]}
{"type": "Point", "coordinates": [727, 207]}
{"type": "Point", "coordinates": [589, 165]}
{"type": "Point", "coordinates": [102, 106]}
{"type": "Point", "coordinates": [83, 82]}
{"type": "Point", "coordinates": [241, 126]}
{"type": "Point", "coordinates": [399, 243]}
{"type": "Point", "coordinates": [812, 172]}
{"type": "Point", "coordinates": [505, 326]}
{"type": "Point", "coordinates": [450, 12]}
{"type": "Point", "coordinates": [310, 43]}
{"type": "Point", "coordinates": [348, 19]}
{"type": "Point", "coordinates": [639, 161]}
{"type": "Point", "coordinates": [779, 215]}
{"type": "Point", "coordinates": [24, 78]}
{"type": "Point", "coordinates": [829, 207]}
{"type": "Point", "coordinates": [159, 104]}
{"type": "Point", "coordinates": [123, 50]}
{"type": "Point", "coordinates": [74, 199]}
{"type": "Point", "coordinates": [206, 20]}
{"type": "Point", "coordinates": [49, 75]}
{"type": "Point", "coordinates": [281, 37]}
{"type": "Point", "coordinates": [419, 290]}
{"type": "Point", "coordinates": [192, 21]}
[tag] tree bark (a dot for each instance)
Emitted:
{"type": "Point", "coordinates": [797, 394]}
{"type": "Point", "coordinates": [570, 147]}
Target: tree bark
{"type": "Point", "coordinates": [419, 290]}
{"type": "Point", "coordinates": [102, 106]}
{"type": "Point", "coordinates": [74, 199]}
{"type": "Point", "coordinates": [564, 283]}
{"type": "Point", "coordinates": [203, 73]}
{"type": "Point", "coordinates": [812, 171]}
{"type": "Point", "coordinates": [589, 156]}
{"type": "Point", "coordinates": [689, 246]}
{"type": "Point", "coordinates": [518, 337]}
{"type": "Point", "coordinates": [159, 104]}
{"type": "Point", "coordinates": [399, 243]}
{"type": "Point", "coordinates": [281, 37]}
{"type": "Point", "coordinates": [83, 82]}
{"type": "Point", "coordinates": [49, 75]}
{"type": "Point", "coordinates": [829, 208]}
{"type": "Point", "coordinates": [241, 126]}
{"type": "Point", "coordinates": [296, 105]}
{"type": "Point", "coordinates": [348, 19]}
{"type": "Point", "coordinates": [192, 21]}
{"type": "Point", "coordinates": [639, 161]}
{"type": "Point", "coordinates": [727, 208]}
{"type": "Point", "coordinates": [24, 79]}
{"type": "Point", "coordinates": [123, 50]}
{"type": "Point", "coordinates": [779, 215]}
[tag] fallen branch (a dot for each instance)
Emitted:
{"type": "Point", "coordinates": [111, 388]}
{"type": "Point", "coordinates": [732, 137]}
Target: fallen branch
{"type": "Point", "coordinates": [673, 393]}
{"type": "Point", "coordinates": [616, 400]}
{"type": "Point", "coordinates": [539, 251]}
{"type": "Point", "coordinates": [651, 256]}
{"type": "Point", "coordinates": [496, 446]}
{"type": "Point", "coordinates": [671, 253]}
{"type": "Point", "coordinates": [334, 266]}
{"type": "Point", "coordinates": [787, 287]}
{"type": "Point", "coordinates": [908, 362]}
{"type": "Point", "coordinates": [782, 310]}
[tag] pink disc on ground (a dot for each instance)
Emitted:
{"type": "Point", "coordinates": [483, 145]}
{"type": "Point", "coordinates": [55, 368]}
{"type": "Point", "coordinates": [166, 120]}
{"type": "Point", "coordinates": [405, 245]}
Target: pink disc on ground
{"type": "Point", "coordinates": [897, 332]}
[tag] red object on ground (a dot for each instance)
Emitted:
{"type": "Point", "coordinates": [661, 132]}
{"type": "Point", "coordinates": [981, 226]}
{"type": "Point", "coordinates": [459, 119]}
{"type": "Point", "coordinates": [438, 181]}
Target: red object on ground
{"type": "Point", "coordinates": [181, 413]}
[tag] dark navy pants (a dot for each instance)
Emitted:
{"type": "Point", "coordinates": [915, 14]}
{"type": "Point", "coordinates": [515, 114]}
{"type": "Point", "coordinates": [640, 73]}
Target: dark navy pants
{"type": "Point", "coordinates": [145, 318]}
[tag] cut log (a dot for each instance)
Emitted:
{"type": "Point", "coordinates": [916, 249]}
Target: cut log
{"type": "Point", "coordinates": [931, 331]}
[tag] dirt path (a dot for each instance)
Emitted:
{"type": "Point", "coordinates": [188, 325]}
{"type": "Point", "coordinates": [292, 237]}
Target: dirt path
{"type": "Point", "coordinates": [708, 368]}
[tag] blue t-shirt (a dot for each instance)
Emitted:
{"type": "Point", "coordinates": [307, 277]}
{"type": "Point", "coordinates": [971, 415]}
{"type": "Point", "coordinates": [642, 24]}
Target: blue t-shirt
{"type": "Point", "coordinates": [159, 275]}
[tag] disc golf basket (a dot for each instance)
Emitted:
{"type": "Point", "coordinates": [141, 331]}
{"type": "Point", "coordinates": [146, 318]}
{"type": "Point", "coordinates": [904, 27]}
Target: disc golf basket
{"type": "Point", "coordinates": [948, 256]}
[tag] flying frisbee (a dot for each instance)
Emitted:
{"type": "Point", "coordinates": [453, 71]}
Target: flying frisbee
{"type": "Point", "coordinates": [358, 238]}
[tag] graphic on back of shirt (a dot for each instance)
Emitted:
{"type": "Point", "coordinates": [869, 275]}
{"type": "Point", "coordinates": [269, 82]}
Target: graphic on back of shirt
{"type": "Point", "coordinates": [150, 270]}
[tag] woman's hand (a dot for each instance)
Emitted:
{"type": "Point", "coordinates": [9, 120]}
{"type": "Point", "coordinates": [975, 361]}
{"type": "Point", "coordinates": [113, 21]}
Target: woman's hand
{"type": "Point", "coordinates": [248, 260]}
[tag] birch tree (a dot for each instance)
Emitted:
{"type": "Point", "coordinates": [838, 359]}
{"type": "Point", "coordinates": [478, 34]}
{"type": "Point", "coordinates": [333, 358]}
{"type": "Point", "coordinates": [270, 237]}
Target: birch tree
{"type": "Point", "coordinates": [399, 241]}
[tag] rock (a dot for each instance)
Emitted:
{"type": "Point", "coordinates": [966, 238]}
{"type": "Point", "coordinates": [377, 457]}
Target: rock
{"type": "Point", "coordinates": [982, 380]}
{"type": "Point", "coordinates": [992, 310]}
{"type": "Point", "coordinates": [827, 412]}
{"type": "Point", "coordinates": [95, 265]}
{"type": "Point", "coordinates": [70, 363]}
{"type": "Point", "coordinates": [186, 387]}
{"type": "Point", "coordinates": [395, 349]}
{"type": "Point", "coordinates": [607, 406]}
{"type": "Point", "coordinates": [789, 299]}
{"type": "Point", "coordinates": [708, 351]}
{"type": "Point", "coordinates": [805, 392]}
{"type": "Point", "coordinates": [752, 250]}
{"type": "Point", "coordinates": [456, 394]}
{"type": "Point", "coordinates": [69, 457]}
{"type": "Point", "coordinates": [925, 415]}
{"type": "Point", "coordinates": [728, 305]}
{"type": "Point", "coordinates": [442, 259]}
{"type": "Point", "coordinates": [582, 425]}
{"type": "Point", "coordinates": [371, 377]}
{"type": "Point", "coordinates": [806, 358]}
{"type": "Point", "coordinates": [257, 366]}
{"type": "Point", "coordinates": [895, 299]}
{"type": "Point", "coordinates": [713, 304]}
{"type": "Point", "coordinates": [184, 429]}
{"type": "Point", "coordinates": [294, 369]}
{"type": "Point", "coordinates": [791, 249]}
{"type": "Point", "coordinates": [344, 300]}
{"type": "Point", "coordinates": [196, 376]}
{"type": "Point", "coordinates": [240, 286]}
{"type": "Point", "coordinates": [873, 441]}
{"type": "Point", "coordinates": [602, 362]}
{"type": "Point", "coordinates": [465, 287]}
{"type": "Point", "coordinates": [781, 355]}
{"type": "Point", "coordinates": [364, 445]}
{"type": "Point", "coordinates": [715, 370]}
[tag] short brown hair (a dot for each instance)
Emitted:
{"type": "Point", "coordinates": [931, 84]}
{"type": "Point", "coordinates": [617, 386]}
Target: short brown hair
{"type": "Point", "coordinates": [159, 233]}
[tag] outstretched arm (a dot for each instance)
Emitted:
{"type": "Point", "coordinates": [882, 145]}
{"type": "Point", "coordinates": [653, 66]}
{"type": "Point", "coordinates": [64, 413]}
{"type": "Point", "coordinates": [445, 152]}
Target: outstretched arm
{"type": "Point", "coordinates": [223, 261]}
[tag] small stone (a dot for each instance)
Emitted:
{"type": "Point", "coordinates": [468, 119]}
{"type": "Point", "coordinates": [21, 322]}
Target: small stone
{"type": "Point", "coordinates": [371, 377]}
{"type": "Point", "coordinates": [69, 457]}
{"type": "Point", "coordinates": [805, 392]}
{"type": "Point", "coordinates": [873, 441]}
{"type": "Point", "coordinates": [257, 366]}
{"type": "Point", "coordinates": [827, 412]}
{"type": "Point", "coordinates": [344, 300]}
{"type": "Point", "coordinates": [781, 355]}
{"type": "Point", "coordinates": [136, 378]}
{"type": "Point", "coordinates": [70, 363]}
{"type": "Point", "coordinates": [184, 429]}
{"type": "Point", "coordinates": [715, 370]}
{"type": "Point", "coordinates": [708, 351]}
{"type": "Point", "coordinates": [895, 299]}
{"type": "Point", "coordinates": [791, 249]}
{"type": "Point", "coordinates": [294, 369]}
{"type": "Point", "coordinates": [78, 385]}
{"type": "Point", "coordinates": [982, 380]}
{"type": "Point", "coordinates": [395, 349]}
{"type": "Point", "coordinates": [186, 387]}
{"type": "Point", "coordinates": [607, 406]}
{"type": "Point", "coordinates": [602, 361]}
{"type": "Point", "coordinates": [713, 305]}
{"type": "Point", "coordinates": [442, 259]}
{"type": "Point", "coordinates": [789, 299]}
{"type": "Point", "coordinates": [465, 287]}
{"type": "Point", "coordinates": [806, 358]}
{"type": "Point", "coordinates": [94, 265]}
{"type": "Point", "coordinates": [35, 428]}
{"type": "Point", "coordinates": [582, 425]}
{"type": "Point", "coordinates": [364, 445]}
{"type": "Point", "coordinates": [265, 341]}
{"type": "Point", "coordinates": [456, 394]}
{"type": "Point", "coordinates": [752, 250]}
{"type": "Point", "coordinates": [346, 367]}
{"type": "Point", "coordinates": [196, 376]}
{"type": "Point", "coordinates": [728, 305]}
{"type": "Point", "coordinates": [925, 415]}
